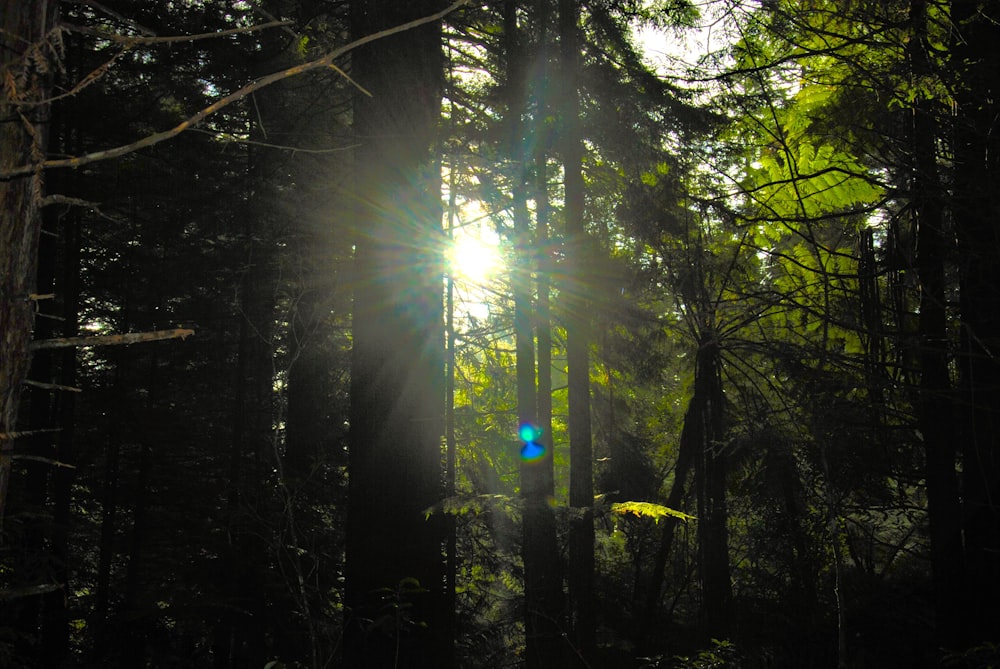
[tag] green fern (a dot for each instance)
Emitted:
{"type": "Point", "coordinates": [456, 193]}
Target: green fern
{"type": "Point", "coordinates": [649, 510]}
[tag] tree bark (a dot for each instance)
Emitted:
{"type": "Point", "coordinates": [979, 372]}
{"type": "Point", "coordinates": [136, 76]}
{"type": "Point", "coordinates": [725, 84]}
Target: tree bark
{"type": "Point", "coordinates": [25, 67]}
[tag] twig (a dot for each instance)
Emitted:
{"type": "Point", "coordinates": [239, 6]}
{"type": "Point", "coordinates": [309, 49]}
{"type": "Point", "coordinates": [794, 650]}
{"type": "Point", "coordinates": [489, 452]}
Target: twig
{"type": "Point", "coordinates": [110, 340]}
{"type": "Point", "coordinates": [256, 84]}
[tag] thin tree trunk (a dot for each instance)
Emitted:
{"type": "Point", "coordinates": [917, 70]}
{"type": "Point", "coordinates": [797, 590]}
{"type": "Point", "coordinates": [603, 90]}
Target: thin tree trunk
{"type": "Point", "coordinates": [542, 572]}
{"type": "Point", "coordinates": [577, 309]}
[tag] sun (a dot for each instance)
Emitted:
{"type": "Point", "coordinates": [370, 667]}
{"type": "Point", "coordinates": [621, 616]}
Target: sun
{"type": "Point", "coordinates": [473, 259]}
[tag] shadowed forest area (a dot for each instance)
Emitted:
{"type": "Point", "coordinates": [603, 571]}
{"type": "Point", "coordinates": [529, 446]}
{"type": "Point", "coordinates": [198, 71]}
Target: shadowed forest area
{"type": "Point", "coordinates": [502, 333]}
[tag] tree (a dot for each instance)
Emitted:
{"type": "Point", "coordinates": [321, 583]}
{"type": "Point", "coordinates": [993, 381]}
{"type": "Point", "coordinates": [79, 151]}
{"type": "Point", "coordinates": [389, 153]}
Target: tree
{"type": "Point", "coordinates": [575, 307]}
{"type": "Point", "coordinates": [394, 561]}
{"type": "Point", "coordinates": [26, 66]}
{"type": "Point", "coordinates": [975, 58]}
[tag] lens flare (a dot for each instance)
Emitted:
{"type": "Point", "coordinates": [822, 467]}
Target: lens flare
{"type": "Point", "coordinates": [532, 451]}
{"type": "Point", "coordinates": [529, 434]}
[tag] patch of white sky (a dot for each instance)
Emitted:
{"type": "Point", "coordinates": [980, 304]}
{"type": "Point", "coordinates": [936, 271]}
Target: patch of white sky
{"type": "Point", "coordinates": [677, 52]}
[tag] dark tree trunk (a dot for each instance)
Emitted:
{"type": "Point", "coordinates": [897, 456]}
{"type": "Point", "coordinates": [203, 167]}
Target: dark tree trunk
{"type": "Point", "coordinates": [690, 444]}
{"type": "Point", "coordinates": [24, 29]}
{"type": "Point", "coordinates": [934, 408]}
{"type": "Point", "coordinates": [132, 616]}
{"type": "Point", "coordinates": [394, 557]}
{"type": "Point", "coordinates": [577, 314]}
{"type": "Point", "coordinates": [543, 599]}
{"type": "Point", "coordinates": [710, 479]}
{"type": "Point", "coordinates": [99, 623]}
{"type": "Point", "coordinates": [977, 222]}
{"type": "Point", "coordinates": [55, 623]}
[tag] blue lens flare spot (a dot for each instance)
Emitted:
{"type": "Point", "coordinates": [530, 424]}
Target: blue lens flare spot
{"type": "Point", "coordinates": [532, 451]}
{"type": "Point", "coordinates": [529, 432]}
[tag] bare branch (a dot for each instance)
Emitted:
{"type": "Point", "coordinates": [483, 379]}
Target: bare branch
{"type": "Point", "coordinates": [51, 386]}
{"type": "Point", "coordinates": [150, 140]}
{"type": "Point", "coordinates": [111, 340]}
{"type": "Point", "coordinates": [28, 591]}
{"type": "Point", "coordinates": [39, 458]}
{"type": "Point", "coordinates": [229, 137]}
{"type": "Point", "coordinates": [11, 436]}
{"type": "Point", "coordinates": [56, 198]}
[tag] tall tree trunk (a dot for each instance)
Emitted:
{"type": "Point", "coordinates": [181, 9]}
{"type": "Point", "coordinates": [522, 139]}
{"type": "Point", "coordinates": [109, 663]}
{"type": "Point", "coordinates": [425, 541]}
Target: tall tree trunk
{"type": "Point", "coordinates": [542, 573]}
{"type": "Point", "coordinates": [394, 557]}
{"type": "Point", "coordinates": [29, 493]}
{"type": "Point", "coordinates": [577, 309]}
{"type": "Point", "coordinates": [25, 69]}
{"type": "Point", "coordinates": [934, 408]}
{"type": "Point", "coordinates": [977, 222]}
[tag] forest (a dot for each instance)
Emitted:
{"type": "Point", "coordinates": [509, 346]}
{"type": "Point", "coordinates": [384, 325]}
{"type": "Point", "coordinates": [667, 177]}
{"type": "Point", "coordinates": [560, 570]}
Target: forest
{"type": "Point", "coordinates": [433, 334]}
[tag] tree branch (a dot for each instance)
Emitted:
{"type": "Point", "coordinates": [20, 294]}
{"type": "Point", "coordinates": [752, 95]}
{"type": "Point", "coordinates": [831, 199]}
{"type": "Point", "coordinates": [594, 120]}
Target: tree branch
{"type": "Point", "coordinates": [150, 140]}
{"type": "Point", "coordinates": [131, 41]}
{"type": "Point", "coordinates": [110, 340]}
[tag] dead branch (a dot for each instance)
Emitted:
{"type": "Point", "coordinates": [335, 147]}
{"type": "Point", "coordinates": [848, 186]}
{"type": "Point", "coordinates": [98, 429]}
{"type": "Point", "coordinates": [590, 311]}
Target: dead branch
{"type": "Point", "coordinates": [111, 340]}
{"type": "Point", "coordinates": [229, 137]}
{"type": "Point", "coordinates": [20, 434]}
{"type": "Point", "coordinates": [39, 458]}
{"type": "Point", "coordinates": [50, 200]}
{"type": "Point", "coordinates": [150, 140]}
{"type": "Point", "coordinates": [51, 386]}
{"type": "Point", "coordinates": [28, 591]}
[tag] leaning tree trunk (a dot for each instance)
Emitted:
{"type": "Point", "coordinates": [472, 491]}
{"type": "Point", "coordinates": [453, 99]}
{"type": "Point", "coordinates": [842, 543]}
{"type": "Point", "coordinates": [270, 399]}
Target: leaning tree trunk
{"type": "Point", "coordinates": [26, 46]}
